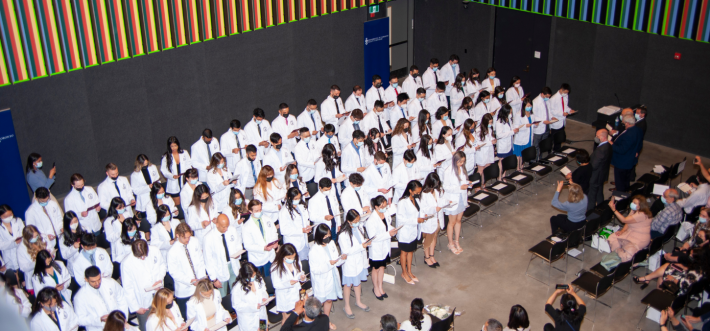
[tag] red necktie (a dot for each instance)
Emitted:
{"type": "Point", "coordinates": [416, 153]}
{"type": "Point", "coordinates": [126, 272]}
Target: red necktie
{"type": "Point", "coordinates": [563, 104]}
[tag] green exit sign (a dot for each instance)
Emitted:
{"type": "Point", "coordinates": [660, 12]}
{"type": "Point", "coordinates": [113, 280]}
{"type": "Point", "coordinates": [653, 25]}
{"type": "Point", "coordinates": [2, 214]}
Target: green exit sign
{"type": "Point", "coordinates": [374, 9]}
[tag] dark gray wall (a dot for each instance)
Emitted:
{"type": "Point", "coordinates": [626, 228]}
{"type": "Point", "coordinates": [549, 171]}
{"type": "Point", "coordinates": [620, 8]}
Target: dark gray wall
{"type": "Point", "coordinates": [596, 60]}
{"type": "Point", "coordinates": [84, 119]}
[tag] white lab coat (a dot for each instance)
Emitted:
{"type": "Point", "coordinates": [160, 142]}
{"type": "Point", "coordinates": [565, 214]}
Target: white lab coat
{"type": "Point", "coordinates": [401, 176]}
{"type": "Point", "coordinates": [195, 217]}
{"type": "Point", "coordinates": [472, 89]}
{"type": "Point", "coordinates": [351, 159]}
{"type": "Point", "coordinates": [69, 253]}
{"type": "Point", "coordinates": [558, 108]}
{"type": "Point", "coordinates": [345, 134]}
{"type": "Point", "coordinates": [479, 111]}
{"type": "Point", "coordinates": [372, 95]}
{"type": "Point", "coordinates": [81, 263]}
{"type": "Point", "coordinates": [124, 250]}
{"type": "Point", "coordinates": [452, 187]}
{"type": "Point", "coordinates": [541, 112]}
{"type": "Point", "coordinates": [227, 144]}
{"type": "Point", "coordinates": [470, 151]}
{"type": "Point", "coordinates": [415, 107]}
{"type": "Point", "coordinates": [26, 263]}
{"type": "Point", "coordinates": [180, 269]}
{"type": "Point", "coordinates": [380, 247]}
{"type": "Point", "coordinates": [429, 80]}
{"type": "Point", "coordinates": [410, 86]}
{"type": "Point", "coordinates": [160, 238]}
{"type": "Point", "coordinates": [306, 155]}
{"type": "Point", "coordinates": [272, 159]}
{"type": "Point", "coordinates": [201, 157]}
{"type": "Point", "coordinates": [357, 255]}
{"type": "Point", "coordinates": [7, 241]}
{"type": "Point", "coordinates": [63, 277]}
{"type": "Point", "coordinates": [24, 307]}
{"type": "Point", "coordinates": [328, 110]}
{"type": "Point", "coordinates": [141, 188]}
{"type": "Point", "coordinates": [460, 116]}
{"type": "Point", "coordinates": [66, 318]}
{"type": "Point", "coordinates": [75, 203]}
{"type": "Point", "coordinates": [444, 152]}
{"type": "Point", "coordinates": [400, 144]}
{"type": "Point", "coordinates": [407, 215]}
{"type": "Point", "coordinates": [321, 173]}
{"type": "Point", "coordinates": [524, 135]}
{"type": "Point", "coordinates": [437, 126]}
{"type": "Point", "coordinates": [305, 121]}
{"type": "Point", "coordinates": [138, 274]}
{"type": "Point", "coordinates": [318, 209]}
{"type": "Point", "coordinates": [374, 120]}
{"type": "Point", "coordinates": [391, 94]}
{"type": "Point", "coordinates": [514, 97]}
{"type": "Point", "coordinates": [173, 185]}
{"type": "Point", "coordinates": [255, 242]}
{"type": "Point", "coordinates": [215, 256]}
{"type": "Point", "coordinates": [270, 204]}
{"type": "Point", "coordinates": [429, 202]}
{"type": "Point", "coordinates": [284, 127]}
{"type": "Point", "coordinates": [434, 102]}
{"type": "Point", "coordinates": [457, 99]}
{"type": "Point", "coordinates": [186, 196]}
{"type": "Point", "coordinates": [195, 310]}
{"type": "Point", "coordinates": [253, 137]}
{"type": "Point", "coordinates": [90, 303]}
{"type": "Point", "coordinates": [355, 102]}
{"type": "Point", "coordinates": [417, 134]}
{"type": "Point", "coordinates": [245, 303]}
{"type": "Point", "coordinates": [49, 223]}
{"type": "Point", "coordinates": [152, 323]}
{"type": "Point", "coordinates": [487, 84]}
{"type": "Point", "coordinates": [286, 294]}
{"type": "Point", "coordinates": [112, 229]}
{"type": "Point", "coordinates": [220, 192]}
{"type": "Point", "coordinates": [107, 191]}
{"type": "Point", "coordinates": [356, 200]}
{"type": "Point", "coordinates": [448, 73]}
{"type": "Point", "coordinates": [425, 164]}
{"type": "Point", "coordinates": [321, 269]}
{"type": "Point", "coordinates": [151, 214]}
{"type": "Point", "coordinates": [232, 221]}
{"type": "Point", "coordinates": [375, 180]}
{"type": "Point", "coordinates": [292, 227]}
{"type": "Point", "coordinates": [246, 175]}
{"type": "Point", "coordinates": [504, 136]}
{"type": "Point", "coordinates": [324, 140]}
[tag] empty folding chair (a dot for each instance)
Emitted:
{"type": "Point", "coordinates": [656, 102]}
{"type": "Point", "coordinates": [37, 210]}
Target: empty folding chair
{"type": "Point", "coordinates": [540, 171]}
{"type": "Point", "coordinates": [551, 158]}
{"type": "Point", "coordinates": [575, 240]}
{"type": "Point", "coordinates": [468, 214]}
{"type": "Point", "coordinates": [658, 300]}
{"type": "Point", "coordinates": [622, 270]}
{"type": "Point", "coordinates": [596, 287]}
{"type": "Point", "coordinates": [521, 180]}
{"type": "Point", "coordinates": [639, 257]}
{"type": "Point", "coordinates": [484, 200]}
{"type": "Point", "coordinates": [549, 252]}
{"type": "Point", "coordinates": [676, 170]}
{"type": "Point", "coordinates": [502, 189]}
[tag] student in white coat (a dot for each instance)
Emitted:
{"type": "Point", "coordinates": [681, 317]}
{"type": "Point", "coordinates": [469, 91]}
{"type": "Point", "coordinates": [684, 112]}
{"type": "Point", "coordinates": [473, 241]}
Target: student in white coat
{"type": "Point", "coordinates": [437, 100]}
{"type": "Point", "coordinates": [222, 249]}
{"type": "Point", "coordinates": [278, 156]}
{"type": "Point", "coordinates": [332, 109]}
{"type": "Point", "coordinates": [11, 229]}
{"type": "Point", "coordinates": [473, 85]}
{"type": "Point", "coordinates": [285, 125]}
{"type": "Point", "coordinates": [202, 213]}
{"type": "Point", "coordinates": [349, 126]}
{"type": "Point", "coordinates": [444, 149]}
{"type": "Point", "coordinates": [432, 201]}
{"type": "Point", "coordinates": [49, 313]}
{"type": "Point", "coordinates": [330, 138]}
{"type": "Point", "coordinates": [456, 186]}
{"type": "Point", "coordinates": [490, 82]}
{"type": "Point", "coordinates": [142, 179]}
{"type": "Point", "coordinates": [329, 167]}
{"type": "Point", "coordinates": [306, 156]}
{"type": "Point", "coordinates": [485, 144]}
{"type": "Point", "coordinates": [310, 118]}
{"type": "Point", "coordinates": [409, 216]}
{"type": "Point", "coordinates": [482, 107]}
{"type": "Point", "coordinates": [71, 240]}
{"type": "Point", "coordinates": [260, 239]}
{"type": "Point", "coordinates": [236, 208]}
{"type": "Point", "coordinates": [32, 243]}
{"type": "Point", "coordinates": [51, 273]}
{"type": "Point", "coordinates": [375, 93]}
{"type": "Point", "coordinates": [390, 97]}
{"type": "Point", "coordinates": [141, 270]}
{"type": "Point", "coordinates": [426, 159]}
{"type": "Point", "coordinates": [249, 298]}
{"type": "Point", "coordinates": [379, 228]}
{"type": "Point", "coordinates": [220, 181]}
{"type": "Point", "coordinates": [430, 78]}
{"type": "Point", "coordinates": [457, 93]}
{"type": "Point", "coordinates": [232, 144]}
{"type": "Point", "coordinates": [115, 186]}
{"type": "Point", "coordinates": [190, 182]}
{"type": "Point", "coordinates": [47, 216]}
{"type": "Point", "coordinates": [466, 142]}
{"type": "Point", "coordinates": [353, 244]}
{"type": "Point", "coordinates": [353, 158]}
{"type": "Point", "coordinates": [113, 224]}
{"type": "Point", "coordinates": [515, 94]}
{"type": "Point", "coordinates": [505, 131]}
{"type": "Point", "coordinates": [378, 178]}
{"type": "Point", "coordinates": [373, 144]}
{"type": "Point", "coordinates": [295, 223]}
{"type": "Point", "coordinates": [404, 173]}
{"type": "Point", "coordinates": [559, 108]}
{"type": "Point", "coordinates": [205, 306]}
{"type": "Point", "coordinates": [173, 165]}
{"type": "Point", "coordinates": [258, 131]}
{"type": "Point", "coordinates": [201, 152]}
{"type": "Point", "coordinates": [271, 191]}
{"type": "Point", "coordinates": [129, 235]}
{"type": "Point", "coordinates": [94, 302]}
{"type": "Point", "coordinates": [286, 278]}
{"type": "Point", "coordinates": [412, 82]}
{"type": "Point", "coordinates": [497, 101]}
{"type": "Point", "coordinates": [448, 73]}
{"type": "Point", "coordinates": [463, 112]}
{"type": "Point", "coordinates": [523, 120]}
{"type": "Point", "coordinates": [541, 130]}
{"type": "Point", "coordinates": [356, 100]}
{"type": "Point", "coordinates": [84, 201]}
{"type": "Point", "coordinates": [185, 264]}
{"type": "Point", "coordinates": [159, 198]}
{"type": "Point", "coordinates": [248, 168]}
{"type": "Point", "coordinates": [16, 297]}
{"type": "Point", "coordinates": [324, 207]}
{"type": "Point", "coordinates": [443, 119]}
{"type": "Point", "coordinates": [401, 141]}
{"type": "Point", "coordinates": [376, 120]}
{"type": "Point", "coordinates": [354, 197]}
{"type": "Point", "coordinates": [88, 256]}
{"type": "Point", "coordinates": [165, 314]}
{"type": "Point", "coordinates": [324, 258]}
{"type": "Point", "coordinates": [163, 237]}
{"type": "Point", "coordinates": [421, 127]}
{"type": "Point", "coordinates": [417, 102]}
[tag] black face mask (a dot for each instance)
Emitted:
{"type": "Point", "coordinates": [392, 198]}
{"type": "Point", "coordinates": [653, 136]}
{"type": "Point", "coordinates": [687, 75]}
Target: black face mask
{"type": "Point", "coordinates": [79, 189]}
{"type": "Point", "coordinates": [168, 306]}
{"type": "Point", "coordinates": [415, 75]}
{"type": "Point", "coordinates": [416, 196]}
{"type": "Point", "coordinates": [269, 179]}
{"type": "Point", "coordinates": [250, 159]}
{"type": "Point", "coordinates": [326, 240]}
{"type": "Point", "coordinates": [114, 178]}
{"type": "Point", "coordinates": [204, 200]}
{"type": "Point", "coordinates": [278, 146]}
{"type": "Point", "coordinates": [378, 85]}
{"type": "Point", "coordinates": [336, 97]}
{"type": "Point", "coordinates": [285, 115]}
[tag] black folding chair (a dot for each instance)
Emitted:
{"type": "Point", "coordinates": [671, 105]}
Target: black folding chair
{"type": "Point", "coordinates": [658, 300]}
{"type": "Point", "coordinates": [502, 189]}
{"type": "Point", "coordinates": [549, 253]}
{"type": "Point", "coordinates": [596, 287]}
{"type": "Point", "coordinates": [540, 171]}
{"type": "Point", "coordinates": [551, 158]}
{"type": "Point", "coordinates": [675, 171]}
{"type": "Point", "coordinates": [622, 270]}
{"type": "Point", "coordinates": [445, 324]}
{"type": "Point", "coordinates": [575, 240]}
{"type": "Point", "coordinates": [521, 180]}
{"type": "Point", "coordinates": [483, 199]}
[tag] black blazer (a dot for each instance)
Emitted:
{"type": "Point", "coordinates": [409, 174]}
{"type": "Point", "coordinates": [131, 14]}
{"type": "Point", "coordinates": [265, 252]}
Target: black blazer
{"type": "Point", "coordinates": [600, 161]}
{"type": "Point", "coordinates": [321, 323]}
{"type": "Point", "coordinates": [642, 125]}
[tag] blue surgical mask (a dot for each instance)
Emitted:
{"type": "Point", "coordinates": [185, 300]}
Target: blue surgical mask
{"type": "Point", "coordinates": [633, 206]}
{"type": "Point", "coordinates": [289, 261]}
{"type": "Point", "coordinates": [193, 181]}
{"type": "Point", "coordinates": [121, 211]}
{"type": "Point", "coordinates": [420, 99]}
{"type": "Point", "coordinates": [235, 132]}
{"type": "Point", "coordinates": [44, 204]}
{"type": "Point", "coordinates": [220, 166]}
{"type": "Point", "coordinates": [663, 199]}
{"type": "Point", "coordinates": [360, 144]}
{"type": "Point", "coordinates": [356, 122]}
{"type": "Point", "coordinates": [166, 218]}
{"type": "Point", "coordinates": [486, 100]}
{"type": "Point", "coordinates": [453, 66]}
{"type": "Point", "coordinates": [545, 99]}
{"type": "Point", "coordinates": [258, 121]}
{"type": "Point", "coordinates": [702, 220]}
{"type": "Point", "coordinates": [492, 77]}
{"type": "Point", "coordinates": [357, 188]}
{"type": "Point", "coordinates": [256, 215]}
{"type": "Point", "coordinates": [379, 166]}
{"type": "Point", "coordinates": [463, 83]}
{"type": "Point", "coordinates": [307, 140]}
{"type": "Point", "coordinates": [253, 279]}
{"type": "Point", "coordinates": [395, 85]}
{"type": "Point", "coordinates": [409, 165]}
{"type": "Point", "coordinates": [426, 122]}
{"type": "Point", "coordinates": [237, 202]}
{"type": "Point", "coordinates": [34, 240]}
{"type": "Point", "coordinates": [296, 201]}
{"type": "Point", "coordinates": [528, 108]}
{"type": "Point", "coordinates": [383, 210]}
{"type": "Point", "coordinates": [490, 126]}
{"type": "Point", "coordinates": [160, 196]}
{"type": "Point", "coordinates": [90, 251]}
{"type": "Point", "coordinates": [131, 233]}
{"type": "Point", "coordinates": [435, 69]}
{"type": "Point", "coordinates": [500, 96]}
{"type": "Point", "coordinates": [638, 117]}
{"type": "Point", "coordinates": [39, 165]}
{"type": "Point", "coordinates": [445, 118]}
{"type": "Point", "coordinates": [330, 136]}
{"type": "Point", "coordinates": [293, 177]}
{"type": "Point", "coordinates": [313, 111]}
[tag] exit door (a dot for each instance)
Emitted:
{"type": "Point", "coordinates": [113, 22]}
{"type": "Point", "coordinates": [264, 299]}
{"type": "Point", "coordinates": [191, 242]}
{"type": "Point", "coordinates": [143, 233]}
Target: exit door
{"type": "Point", "coordinates": [522, 42]}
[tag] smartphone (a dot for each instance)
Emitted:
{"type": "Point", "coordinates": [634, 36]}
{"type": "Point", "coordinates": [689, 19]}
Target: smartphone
{"type": "Point", "coordinates": [53, 163]}
{"type": "Point", "coordinates": [262, 325]}
{"type": "Point", "coordinates": [561, 287]}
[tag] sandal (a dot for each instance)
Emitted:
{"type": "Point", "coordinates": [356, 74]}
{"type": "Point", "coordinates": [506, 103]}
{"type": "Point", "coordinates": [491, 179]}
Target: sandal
{"type": "Point", "coordinates": [453, 249]}
{"type": "Point", "coordinates": [644, 282]}
{"type": "Point", "coordinates": [458, 246]}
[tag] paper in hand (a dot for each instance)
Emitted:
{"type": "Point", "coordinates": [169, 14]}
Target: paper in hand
{"type": "Point", "coordinates": [658, 189]}
{"type": "Point", "coordinates": [237, 254]}
{"type": "Point", "coordinates": [565, 171]}
{"type": "Point", "coordinates": [156, 287]}
{"type": "Point", "coordinates": [187, 324]}
{"type": "Point", "coordinates": [220, 325]}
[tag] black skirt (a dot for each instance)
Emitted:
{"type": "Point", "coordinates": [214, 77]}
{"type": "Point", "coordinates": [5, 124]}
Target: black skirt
{"type": "Point", "coordinates": [408, 247]}
{"type": "Point", "coordinates": [379, 264]}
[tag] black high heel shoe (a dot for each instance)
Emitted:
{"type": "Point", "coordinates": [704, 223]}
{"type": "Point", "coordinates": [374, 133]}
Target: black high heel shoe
{"type": "Point", "coordinates": [429, 265]}
{"type": "Point", "coordinates": [378, 298]}
{"type": "Point", "coordinates": [644, 283]}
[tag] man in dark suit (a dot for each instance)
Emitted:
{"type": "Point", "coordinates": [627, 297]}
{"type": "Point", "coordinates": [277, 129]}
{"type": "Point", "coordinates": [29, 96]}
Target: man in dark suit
{"type": "Point", "coordinates": [641, 118]}
{"type": "Point", "coordinates": [625, 153]}
{"type": "Point", "coordinates": [312, 321]}
{"type": "Point", "coordinates": [600, 161]}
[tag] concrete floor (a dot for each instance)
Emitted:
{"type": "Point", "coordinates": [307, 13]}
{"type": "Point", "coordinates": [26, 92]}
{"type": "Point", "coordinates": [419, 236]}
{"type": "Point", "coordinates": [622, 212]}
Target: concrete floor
{"type": "Point", "coordinates": [489, 276]}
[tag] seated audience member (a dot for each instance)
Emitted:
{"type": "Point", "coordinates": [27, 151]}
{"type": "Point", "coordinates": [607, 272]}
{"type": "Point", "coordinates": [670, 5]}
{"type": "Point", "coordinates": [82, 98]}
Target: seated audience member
{"type": "Point", "coordinates": [636, 233]}
{"type": "Point", "coordinates": [699, 196]}
{"type": "Point", "coordinates": [492, 325]}
{"type": "Point", "coordinates": [389, 323]}
{"type": "Point", "coordinates": [678, 277]}
{"type": "Point", "coordinates": [418, 321]}
{"type": "Point", "coordinates": [95, 302]}
{"type": "Point", "coordinates": [49, 313]}
{"type": "Point", "coordinates": [583, 174]}
{"type": "Point", "coordinates": [671, 214]}
{"type": "Point", "coordinates": [575, 206]}
{"type": "Point", "coordinates": [313, 320]}
{"type": "Point", "coordinates": [571, 312]}
{"type": "Point", "coordinates": [518, 320]}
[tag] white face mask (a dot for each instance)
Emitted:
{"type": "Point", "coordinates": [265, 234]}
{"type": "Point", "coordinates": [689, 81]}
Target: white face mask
{"type": "Point", "coordinates": [74, 226]}
{"type": "Point", "coordinates": [448, 138]}
{"type": "Point", "coordinates": [7, 220]}
{"type": "Point", "coordinates": [516, 85]}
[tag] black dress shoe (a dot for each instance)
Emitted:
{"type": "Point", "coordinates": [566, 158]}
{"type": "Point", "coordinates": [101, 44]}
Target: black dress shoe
{"type": "Point", "coordinates": [378, 298]}
{"type": "Point", "coordinates": [385, 296]}
{"type": "Point", "coordinates": [436, 264]}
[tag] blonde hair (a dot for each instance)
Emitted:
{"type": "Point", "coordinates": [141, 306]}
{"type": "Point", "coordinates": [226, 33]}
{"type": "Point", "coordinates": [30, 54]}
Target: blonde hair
{"type": "Point", "coordinates": [204, 285]}
{"type": "Point", "coordinates": [32, 249]}
{"type": "Point", "coordinates": [575, 193]}
{"type": "Point", "coordinates": [157, 307]}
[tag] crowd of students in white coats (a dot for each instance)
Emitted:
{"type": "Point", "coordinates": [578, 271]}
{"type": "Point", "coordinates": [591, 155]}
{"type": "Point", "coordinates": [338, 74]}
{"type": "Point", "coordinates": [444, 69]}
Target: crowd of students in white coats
{"type": "Point", "coordinates": [209, 234]}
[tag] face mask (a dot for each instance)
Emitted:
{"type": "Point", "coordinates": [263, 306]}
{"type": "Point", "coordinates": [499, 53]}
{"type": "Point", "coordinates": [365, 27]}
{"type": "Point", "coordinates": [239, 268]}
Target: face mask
{"type": "Point", "coordinates": [663, 199]}
{"type": "Point", "coordinates": [289, 261]}
{"type": "Point", "coordinates": [114, 178]}
{"type": "Point", "coordinates": [449, 138]}
{"type": "Point", "coordinates": [356, 122]}
{"type": "Point", "coordinates": [357, 188]}
{"type": "Point", "coordinates": [500, 96]}
{"type": "Point", "coordinates": [420, 99]}
{"type": "Point", "coordinates": [354, 225]}
{"type": "Point", "coordinates": [237, 202]}
{"type": "Point", "coordinates": [378, 85]}
{"type": "Point", "coordinates": [253, 279]}
{"type": "Point", "coordinates": [330, 136]}
{"type": "Point", "coordinates": [169, 306]}
{"type": "Point", "coordinates": [486, 100]}
{"type": "Point", "coordinates": [336, 97]}
{"type": "Point", "coordinates": [313, 111]}
{"type": "Point", "coordinates": [409, 165]}
{"type": "Point", "coordinates": [415, 75]}
{"type": "Point", "coordinates": [269, 179]}
{"type": "Point", "coordinates": [307, 140]}
{"type": "Point", "coordinates": [326, 240]}
{"type": "Point", "coordinates": [596, 140]}
{"type": "Point", "coordinates": [166, 219]}
{"type": "Point", "coordinates": [90, 252]}
{"type": "Point", "coordinates": [637, 116]}
{"type": "Point", "coordinates": [79, 189]}
{"type": "Point", "coordinates": [516, 85]}
{"type": "Point", "coordinates": [193, 181]}
{"type": "Point", "coordinates": [204, 200]}
{"type": "Point", "coordinates": [492, 76]}
{"type": "Point", "coordinates": [360, 144]}
{"type": "Point", "coordinates": [403, 107]}
{"type": "Point", "coordinates": [160, 196]}
{"type": "Point", "coordinates": [545, 99]}
{"type": "Point", "coordinates": [633, 206]}
{"type": "Point", "coordinates": [435, 69]}
{"type": "Point", "coordinates": [121, 211]}
{"type": "Point", "coordinates": [490, 126]}
{"type": "Point", "coordinates": [39, 165]}
{"type": "Point", "coordinates": [563, 94]}
{"type": "Point", "coordinates": [50, 308]}
{"type": "Point", "coordinates": [220, 166]}
{"type": "Point", "coordinates": [416, 196]}
{"type": "Point", "coordinates": [257, 215]}
{"type": "Point", "coordinates": [257, 121]}
{"type": "Point", "coordinates": [131, 233]}
{"type": "Point", "coordinates": [383, 210]}
{"type": "Point", "coordinates": [431, 146]}
{"type": "Point", "coordinates": [376, 140]}
{"type": "Point", "coordinates": [74, 226]}
{"type": "Point", "coordinates": [426, 122]}
{"type": "Point", "coordinates": [445, 118]}
{"type": "Point", "coordinates": [453, 66]}
{"type": "Point", "coordinates": [463, 83]}
{"type": "Point", "coordinates": [293, 177]}
{"type": "Point", "coordinates": [34, 240]}
{"type": "Point", "coordinates": [43, 204]}
{"type": "Point", "coordinates": [528, 108]}
{"type": "Point", "coordinates": [235, 132]}
{"type": "Point", "coordinates": [395, 85]}
{"type": "Point", "coordinates": [296, 201]}
{"type": "Point", "coordinates": [702, 220]}
{"type": "Point", "coordinates": [286, 115]}
{"type": "Point", "coordinates": [379, 166]}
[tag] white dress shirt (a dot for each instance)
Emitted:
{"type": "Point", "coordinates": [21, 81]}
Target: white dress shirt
{"type": "Point", "coordinates": [227, 144]}
{"type": "Point", "coordinates": [201, 155]}
{"type": "Point", "coordinates": [180, 268]}
{"type": "Point", "coordinates": [173, 184]}
{"type": "Point", "coordinates": [107, 191]}
{"type": "Point", "coordinates": [328, 110]}
{"type": "Point", "coordinates": [558, 108]}
{"type": "Point", "coordinates": [541, 112]}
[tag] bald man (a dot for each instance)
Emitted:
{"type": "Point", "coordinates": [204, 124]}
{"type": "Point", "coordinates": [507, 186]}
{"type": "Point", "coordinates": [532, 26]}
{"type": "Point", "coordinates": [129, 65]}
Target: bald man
{"type": "Point", "coordinates": [222, 247]}
{"type": "Point", "coordinates": [626, 148]}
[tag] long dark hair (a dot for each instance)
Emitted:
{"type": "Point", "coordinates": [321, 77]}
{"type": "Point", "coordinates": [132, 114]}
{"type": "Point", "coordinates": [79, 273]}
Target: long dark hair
{"type": "Point", "coordinates": [504, 113]}
{"type": "Point", "coordinates": [197, 195]}
{"type": "Point", "coordinates": [45, 296]}
{"type": "Point", "coordinates": [290, 195]}
{"type": "Point", "coordinates": [157, 186]}
{"type": "Point", "coordinates": [169, 153]}
{"type": "Point", "coordinates": [432, 182]}
{"type": "Point", "coordinates": [31, 159]}
{"type": "Point", "coordinates": [522, 109]}
{"type": "Point", "coordinates": [369, 142]}
{"type": "Point", "coordinates": [415, 313]}
{"type": "Point", "coordinates": [111, 212]}
{"type": "Point", "coordinates": [11, 285]}
{"type": "Point", "coordinates": [499, 90]}
{"type": "Point", "coordinates": [570, 309]}
{"type": "Point", "coordinates": [319, 235]}
{"type": "Point", "coordinates": [41, 265]}
{"type": "Point", "coordinates": [245, 272]}
{"type": "Point", "coordinates": [424, 146]}
{"type": "Point", "coordinates": [467, 125]}
{"type": "Point", "coordinates": [457, 81]}
{"type": "Point", "coordinates": [71, 237]}
{"type": "Point", "coordinates": [349, 217]}
{"type": "Point", "coordinates": [421, 121]}
{"type": "Point", "coordinates": [284, 251]}
{"type": "Point", "coordinates": [116, 321]}
{"type": "Point", "coordinates": [161, 212]}
{"type": "Point", "coordinates": [287, 174]}
{"type": "Point", "coordinates": [242, 208]}
{"type": "Point", "coordinates": [443, 131]}
{"type": "Point", "coordinates": [129, 223]}
{"type": "Point", "coordinates": [485, 120]}
{"type": "Point", "coordinates": [471, 73]}
{"type": "Point", "coordinates": [411, 186]}
{"type": "Point", "coordinates": [482, 95]}
{"type": "Point", "coordinates": [518, 318]}
{"type": "Point", "coordinates": [329, 155]}
{"type": "Point", "coordinates": [377, 201]}
{"type": "Point", "coordinates": [512, 83]}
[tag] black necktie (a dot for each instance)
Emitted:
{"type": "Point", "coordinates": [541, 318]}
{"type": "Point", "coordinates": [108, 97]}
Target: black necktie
{"type": "Point", "coordinates": [226, 251]}
{"type": "Point", "coordinates": [330, 211]}
{"type": "Point", "coordinates": [115, 183]}
{"type": "Point", "coordinates": [358, 100]}
{"type": "Point", "coordinates": [378, 93]}
{"type": "Point", "coordinates": [421, 104]}
{"type": "Point", "coordinates": [336, 106]}
{"type": "Point", "coordinates": [240, 147]}
{"type": "Point", "coordinates": [382, 130]}
{"type": "Point", "coordinates": [259, 128]}
{"type": "Point", "coordinates": [358, 198]}
{"type": "Point", "coordinates": [435, 76]}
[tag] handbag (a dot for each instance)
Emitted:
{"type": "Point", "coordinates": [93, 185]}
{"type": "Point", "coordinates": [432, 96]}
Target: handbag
{"type": "Point", "coordinates": [610, 261]}
{"type": "Point", "coordinates": [600, 243]}
{"type": "Point", "coordinates": [670, 287]}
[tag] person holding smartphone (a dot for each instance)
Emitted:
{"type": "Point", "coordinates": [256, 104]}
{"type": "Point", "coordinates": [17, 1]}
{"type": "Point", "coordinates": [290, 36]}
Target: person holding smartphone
{"type": "Point", "coordinates": [571, 312]}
